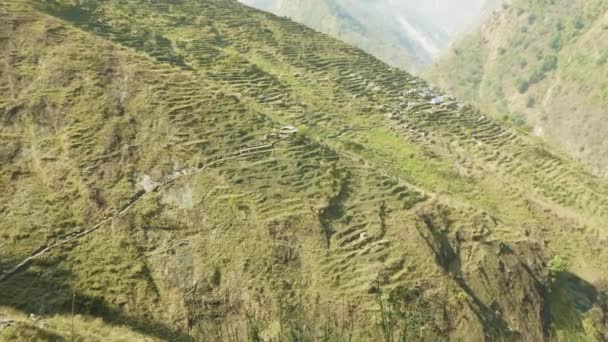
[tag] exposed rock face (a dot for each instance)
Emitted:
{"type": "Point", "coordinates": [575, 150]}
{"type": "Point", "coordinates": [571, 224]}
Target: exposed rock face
{"type": "Point", "coordinates": [503, 284]}
{"type": "Point", "coordinates": [509, 287]}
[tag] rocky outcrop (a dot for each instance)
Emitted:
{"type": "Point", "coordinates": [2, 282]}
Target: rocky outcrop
{"type": "Point", "coordinates": [504, 283]}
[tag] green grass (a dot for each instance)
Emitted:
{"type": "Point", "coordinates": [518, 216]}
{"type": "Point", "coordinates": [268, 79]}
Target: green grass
{"type": "Point", "coordinates": [65, 328]}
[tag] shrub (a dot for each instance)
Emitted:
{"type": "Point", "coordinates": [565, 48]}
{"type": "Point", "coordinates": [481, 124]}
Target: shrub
{"type": "Point", "coordinates": [253, 329]}
{"type": "Point", "coordinates": [556, 43]}
{"type": "Point", "coordinates": [300, 138]}
{"type": "Point", "coordinates": [557, 266]}
{"type": "Point", "coordinates": [518, 119]}
{"type": "Point", "coordinates": [540, 54]}
{"type": "Point", "coordinates": [523, 62]}
{"type": "Point", "coordinates": [462, 297]}
{"type": "Point", "coordinates": [216, 278]}
{"type": "Point", "coordinates": [549, 63]}
{"type": "Point", "coordinates": [579, 23]}
{"type": "Point", "coordinates": [405, 315]}
{"type": "Point", "coordinates": [531, 102]}
{"type": "Point", "coordinates": [603, 58]}
{"type": "Point", "coordinates": [522, 86]}
{"type": "Point", "coordinates": [537, 76]}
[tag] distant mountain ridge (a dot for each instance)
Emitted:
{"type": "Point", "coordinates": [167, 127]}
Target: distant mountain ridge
{"type": "Point", "coordinates": [409, 34]}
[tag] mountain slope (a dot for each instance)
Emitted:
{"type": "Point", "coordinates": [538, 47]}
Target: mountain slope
{"type": "Point", "coordinates": [399, 37]}
{"type": "Point", "coordinates": [406, 34]}
{"type": "Point", "coordinates": [453, 17]}
{"type": "Point", "coordinates": [545, 64]}
{"type": "Point", "coordinates": [149, 169]}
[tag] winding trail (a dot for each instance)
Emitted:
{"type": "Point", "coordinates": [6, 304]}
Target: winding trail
{"type": "Point", "coordinates": [240, 153]}
{"type": "Point", "coordinates": [44, 249]}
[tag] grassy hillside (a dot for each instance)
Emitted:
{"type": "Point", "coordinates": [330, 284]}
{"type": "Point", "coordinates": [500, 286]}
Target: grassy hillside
{"type": "Point", "coordinates": [148, 178]}
{"type": "Point", "coordinates": [541, 64]}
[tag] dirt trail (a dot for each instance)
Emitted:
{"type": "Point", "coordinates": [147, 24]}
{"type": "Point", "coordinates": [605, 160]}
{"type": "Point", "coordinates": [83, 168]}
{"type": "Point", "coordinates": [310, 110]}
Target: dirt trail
{"type": "Point", "coordinates": [238, 154]}
{"type": "Point", "coordinates": [23, 265]}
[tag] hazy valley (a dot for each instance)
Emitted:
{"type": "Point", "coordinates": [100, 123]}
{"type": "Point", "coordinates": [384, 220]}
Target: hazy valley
{"type": "Point", "coordinates": [406, 34]}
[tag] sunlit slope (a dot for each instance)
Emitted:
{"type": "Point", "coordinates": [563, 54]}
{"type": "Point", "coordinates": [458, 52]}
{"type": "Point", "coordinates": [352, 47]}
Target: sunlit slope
{"type": "Point", "coordinates": [543, 65]}
{"type": "Point", "coordinates": [142, 169]}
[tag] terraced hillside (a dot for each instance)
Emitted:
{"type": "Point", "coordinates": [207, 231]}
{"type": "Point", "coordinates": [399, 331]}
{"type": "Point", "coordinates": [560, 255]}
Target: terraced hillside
{"type": "Point", "coordinates": [151, 176]}
{"type": "Point", "coordinates": [543, 66]}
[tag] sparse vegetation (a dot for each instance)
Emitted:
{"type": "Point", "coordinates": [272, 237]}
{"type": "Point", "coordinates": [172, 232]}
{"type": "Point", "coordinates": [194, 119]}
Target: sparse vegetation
{"type": "Point", "coordinates": [406, 315]}
{"type": "Point", "coordinates": [216, 278]}
{"type": "Point", "coordinates": [579, 22]}
{"type": "Point", "coordinates": [522, 86]}
{"type": "Point", "coordinates": [518, 119]}
{"type": "Point", "coordinates": [530, 102]}
{"type": "Point", "coordinates": [558, 265]}
{"type": "Point", "coordinates": [548, 64]}
{"type": "Point", "coordinates": [556, 43]}
{"type": "Point", "coordinates": [462, 297]}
